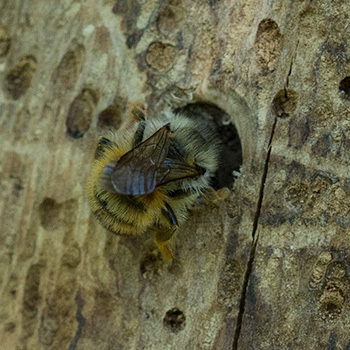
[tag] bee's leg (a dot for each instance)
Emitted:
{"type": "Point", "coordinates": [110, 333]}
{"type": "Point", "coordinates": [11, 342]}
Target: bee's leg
{"type": "Point", "coordinates": [137, 113]}
{"type": "Point", "coordinates": [162, 236]}
{"type": "Point", "coordinates": [170, 215]}
{"type": "Point", "coordinates": [139, 134]}
{"type": "Point", "coordinates": [211, 196]}
{"type": "Point", "coordinates": [179, 97]}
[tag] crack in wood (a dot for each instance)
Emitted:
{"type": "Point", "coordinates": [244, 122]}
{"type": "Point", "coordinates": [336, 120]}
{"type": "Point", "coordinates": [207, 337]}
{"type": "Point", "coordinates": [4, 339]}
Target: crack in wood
{"type": "Point", "coordinates": [290, 69]}
{"type": "Point", "coordinates": [254, 243]}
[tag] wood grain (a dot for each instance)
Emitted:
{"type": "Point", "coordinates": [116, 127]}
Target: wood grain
{"type": "Point", "coordinates": [69, 71]}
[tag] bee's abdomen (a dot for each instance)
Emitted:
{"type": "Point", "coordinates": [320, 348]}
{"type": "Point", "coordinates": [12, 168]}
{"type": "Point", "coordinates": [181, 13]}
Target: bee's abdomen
{"type": "Point", "coordinates": [113, 224]}
{"type": "Point", "coordinates": [122, 214]}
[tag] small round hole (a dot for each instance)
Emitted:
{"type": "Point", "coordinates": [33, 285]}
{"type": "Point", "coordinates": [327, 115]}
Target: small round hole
{"type": "Point", "coordinates": [80, 113]}
{"type": "Point", "coordinates": [109, 118]}
{"type": "Point", "coordinates": [174, 320]}
{"type": "Point", "coordinates": [344, 88]}
{"type": "Point", "coordinates": [285, 103]}
{"type": "Point", "coordinates": [19, 79]}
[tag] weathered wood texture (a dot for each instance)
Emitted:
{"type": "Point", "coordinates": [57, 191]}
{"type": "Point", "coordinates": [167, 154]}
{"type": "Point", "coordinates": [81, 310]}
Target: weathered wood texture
{"type": "Point", "coordinates": [70, 69]}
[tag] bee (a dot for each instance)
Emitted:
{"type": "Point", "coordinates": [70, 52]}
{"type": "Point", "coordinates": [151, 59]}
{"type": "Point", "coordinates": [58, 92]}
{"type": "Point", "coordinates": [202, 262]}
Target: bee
{"type": "Point", "coordinates": [146, 176]}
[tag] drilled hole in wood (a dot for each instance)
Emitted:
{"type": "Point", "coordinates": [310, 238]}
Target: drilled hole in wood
{"type": "Point", "coordinates": [230, 159]}
{"type": "Point", "coordinates": [268, 44]}
{"type": "Point", "coordinates": [174, 320]}
{"type": "Point", "coordinates": [80, 113]}
{"type": "Point", "coordinates": [109, 118]}
{"type": "Point", "coordinates": [285, 103]}
{"type": "Point", "coordinates": [50, 212]}
{"type": "Point", "coordinates": [19, 79]}
{"type": "Point", "coordinates": [344, 88]}
{"type": "Point", "coordinates": [151, 265]}
{"type": "Point", "coordinates": [54, 215]}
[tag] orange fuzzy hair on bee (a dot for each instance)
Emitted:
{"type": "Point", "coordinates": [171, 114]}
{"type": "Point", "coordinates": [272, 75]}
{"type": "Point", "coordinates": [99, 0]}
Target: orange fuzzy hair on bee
{"type": "Point", "coordinates": [145, 178]}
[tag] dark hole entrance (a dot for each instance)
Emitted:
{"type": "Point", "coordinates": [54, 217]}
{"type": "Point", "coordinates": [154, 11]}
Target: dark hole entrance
{"type": "Point", "coordinates": [330, 307]}
{"type": "Point", "coordinates": [109, 118]}
{"type": "Point", "coordinates": [231, 151]}
{"type": "Point", "coordinates": [344, 87]}
{"type": "Point", "coordinates": [174, 320]}
{"type": "Point", "coordinates": [285, 103]}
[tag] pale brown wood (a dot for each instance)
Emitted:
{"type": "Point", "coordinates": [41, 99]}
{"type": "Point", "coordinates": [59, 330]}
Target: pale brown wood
{"type": "Point", "coordinates": [70, 70]}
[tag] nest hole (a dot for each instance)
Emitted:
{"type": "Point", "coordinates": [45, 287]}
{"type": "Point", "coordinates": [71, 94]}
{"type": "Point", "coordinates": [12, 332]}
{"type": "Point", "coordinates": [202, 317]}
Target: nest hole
{"type": "Point", "coordinates": [109, 118]}
{"type": "Point", "coordinates": [230, 159]}
{"type": "Point", "coordinates": [285, 103]}
{"type": "Point", "coordinates": [80, 113]}
{"type": "Point", "coordinates": [344, 88]}
{"type": "Point", "coordinates": [174, 320]}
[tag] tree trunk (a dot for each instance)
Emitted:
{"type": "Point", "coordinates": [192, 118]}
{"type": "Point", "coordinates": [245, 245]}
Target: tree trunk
{"type": "Point", "coordinates": [266, 268]}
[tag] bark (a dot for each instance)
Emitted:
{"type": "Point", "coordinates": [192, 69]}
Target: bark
{"type": "Point", "coordinates": [266, 268]}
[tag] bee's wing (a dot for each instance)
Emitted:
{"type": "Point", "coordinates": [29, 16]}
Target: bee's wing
{"type": "Point", "coordinates": [136, 172]}
{"type": "Point", "coordinates": [174, 170]}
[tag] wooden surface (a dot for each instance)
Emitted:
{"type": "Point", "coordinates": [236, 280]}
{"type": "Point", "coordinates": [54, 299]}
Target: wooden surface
{"type": "Point", "coordinates": [268, 268]}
